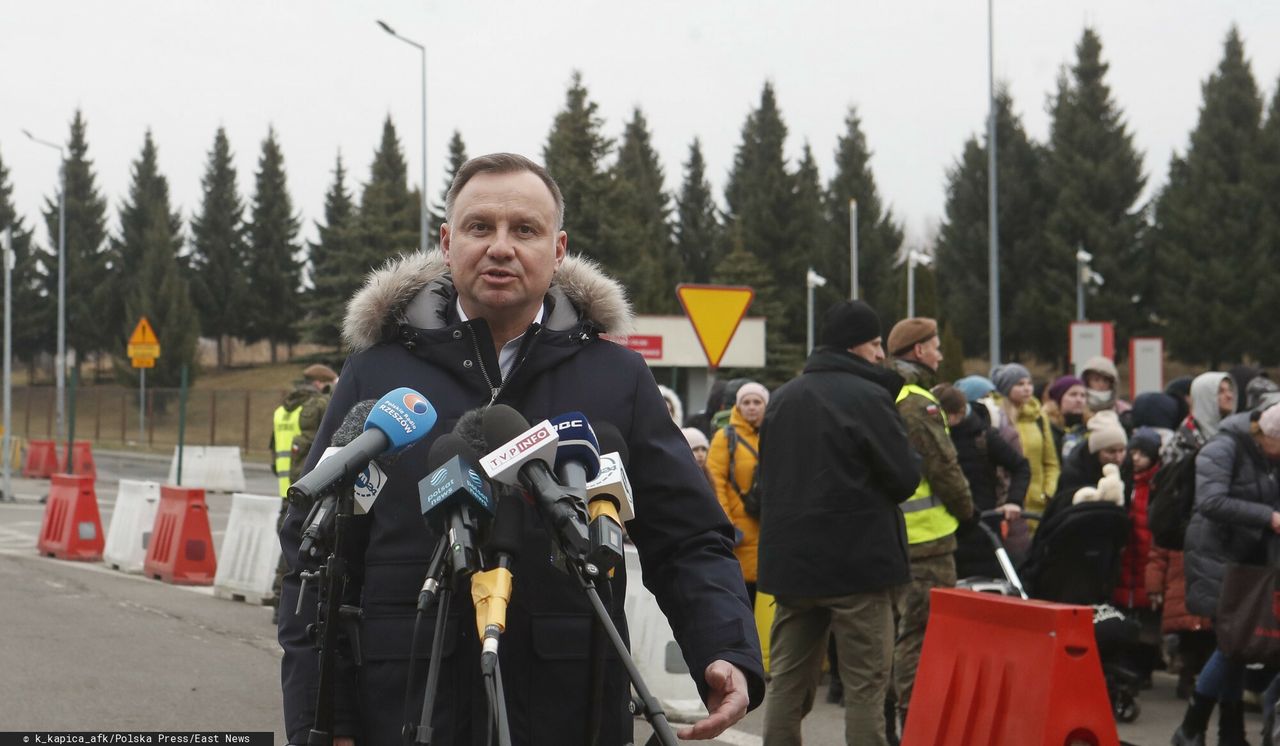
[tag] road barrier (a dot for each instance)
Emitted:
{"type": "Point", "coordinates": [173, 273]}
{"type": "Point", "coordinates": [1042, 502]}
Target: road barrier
{"type": "Point", "coordinates": [42, 460]}
{"type": "Point", "coordinates": [655, 651]}
{"type": "Point", "coordinates": [82, 463]}
{"type": "Point", "coordinates": [131, 523]}
{"type": "Point", "coordinates": [997, 670]}
{"type": "Point", "coordinates": [181, 550]}
{"type": "Point", "coordinates": [72, 526]}
{"type": "Point", "coordinates": [211, 468]}
{"type": "Point", "coordinates": [250, 550]}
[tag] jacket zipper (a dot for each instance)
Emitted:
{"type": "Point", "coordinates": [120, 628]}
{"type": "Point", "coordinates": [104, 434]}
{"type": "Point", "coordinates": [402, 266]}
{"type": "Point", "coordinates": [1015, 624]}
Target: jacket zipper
{"type": "Point", "coordinates": [495, 392]}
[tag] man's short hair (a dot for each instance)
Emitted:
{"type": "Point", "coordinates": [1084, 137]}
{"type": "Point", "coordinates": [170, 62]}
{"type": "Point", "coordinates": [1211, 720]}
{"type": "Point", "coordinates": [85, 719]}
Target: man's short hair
{"type": "Point", "coordinates": [501, 163]}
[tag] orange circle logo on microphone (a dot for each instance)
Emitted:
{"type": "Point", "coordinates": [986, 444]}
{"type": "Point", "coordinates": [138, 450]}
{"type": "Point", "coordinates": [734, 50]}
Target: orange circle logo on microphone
{"type": "Point", "coordinates": [416, 403]}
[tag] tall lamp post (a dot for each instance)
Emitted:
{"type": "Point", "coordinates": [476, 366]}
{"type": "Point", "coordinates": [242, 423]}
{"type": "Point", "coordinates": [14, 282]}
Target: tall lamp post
{"type": "Point", "coordinates": [993, 248]}
{"type": "Point", "coordinates": [812, 280]}
{"type": "Point", "coordinates": [60, 357]}
{"type": "Point", "coordinates": [1082, 276]}
{"type": "Point", "coordinates": [423, 51]}
{"type": "Point", "coordinates": [913, 258]}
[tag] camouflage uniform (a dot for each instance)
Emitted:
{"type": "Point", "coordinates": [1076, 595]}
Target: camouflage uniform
{"type": "Point", "coordinates": [932, 562]}
{"type": "Point", "coordinates": [314, 403]}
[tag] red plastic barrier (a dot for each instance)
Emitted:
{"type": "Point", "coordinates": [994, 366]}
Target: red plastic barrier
{"type": "Point", "coordinates": [42, 460]}
{"type": "Point", "coordinates": [72, 527]}
{"type": "Point", "coordinates": [181, 549]}
{"type": "Point", "coordinates": [996, 671]}
{"type": "Point", "coordinates": [82, 450]}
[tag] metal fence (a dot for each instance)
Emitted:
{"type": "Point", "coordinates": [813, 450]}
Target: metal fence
{"type": "Point", "coordinates": [110, 417]}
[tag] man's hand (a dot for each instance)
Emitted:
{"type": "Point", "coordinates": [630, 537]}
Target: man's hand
{"type": "Point", "coordinates": [344, 741]}
{"type": "Point", "coordinates": [1010, 511]}
{"type": "Point", "coordinates": [726, 702]}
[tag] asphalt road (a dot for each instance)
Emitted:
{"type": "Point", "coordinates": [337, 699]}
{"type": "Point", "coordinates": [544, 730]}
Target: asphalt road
{"type": "Point", "coordinates": [85, 647]}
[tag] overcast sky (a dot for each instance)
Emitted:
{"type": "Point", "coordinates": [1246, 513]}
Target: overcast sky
{"type": "Point", "coordinates": [325, 76]}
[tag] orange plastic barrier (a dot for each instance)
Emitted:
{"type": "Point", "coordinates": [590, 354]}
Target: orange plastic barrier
{"type": "Point", "coordinates": [181, 549]}
{"type": "Point", "coordinates": [82, 450]}
{"type": "Point", "coordinates": [72, 526]}
{"type": "Point", "coordinates": [42, 460]}
{"type": "Point", "coordinates": [997, 671]}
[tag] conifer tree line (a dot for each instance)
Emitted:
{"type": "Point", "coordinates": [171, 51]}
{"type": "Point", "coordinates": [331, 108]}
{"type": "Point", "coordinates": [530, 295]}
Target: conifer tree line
{"type": "Point", "coordinates": [1196, 264]}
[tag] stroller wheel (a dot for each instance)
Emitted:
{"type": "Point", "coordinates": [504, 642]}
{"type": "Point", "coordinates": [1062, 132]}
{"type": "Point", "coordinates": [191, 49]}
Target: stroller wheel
{"type": "Point", "coordinates": [1125, 706]}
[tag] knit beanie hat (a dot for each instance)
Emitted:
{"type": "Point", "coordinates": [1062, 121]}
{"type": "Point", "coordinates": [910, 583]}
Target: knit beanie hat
{"type": "Point", "coordinates": [975, 387]}
{"type": "Point", "coordinates": [849, 323]}
{"type": "Point", "coordinates": [695, 437]}
{"type": "Point", "coordinates": [910, 332]}
{"type": "Point", "coordinates": [751, 387]}
{"type": "Point", "coordinates": [1269, 422]}
{"type": "Point", "coordinates": [1006, 376]}
{"type": "Point", "coordinates": [1146, 440]}
{"type": "Point", "coordinates": [1061, 386]}
{"type": "Point", "coordinates": [1156, 409]}
{"type": "Point", "coordinates": [1105, 431]}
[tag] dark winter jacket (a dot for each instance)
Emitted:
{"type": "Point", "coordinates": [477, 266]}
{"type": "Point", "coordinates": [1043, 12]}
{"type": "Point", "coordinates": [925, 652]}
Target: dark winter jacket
{"type": "Point", "coordinates": [1235, 498]}
{"type": "Point", "coordinates": [836, 463]}
{"type": "Point", "coordinates": [404, 330]}
{"type": "Point", "coordinates": [980, 449]}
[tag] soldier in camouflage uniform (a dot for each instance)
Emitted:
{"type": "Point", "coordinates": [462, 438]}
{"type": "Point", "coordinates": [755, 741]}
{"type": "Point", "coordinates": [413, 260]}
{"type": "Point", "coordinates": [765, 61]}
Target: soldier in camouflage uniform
{"type": "Point", "coordinates": [940, 502]}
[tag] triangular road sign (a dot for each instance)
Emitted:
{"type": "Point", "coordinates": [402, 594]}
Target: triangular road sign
{"type": "Point", "coordinates": [715, 312]}
{"type": "Point", "coordinates": [143, 334]}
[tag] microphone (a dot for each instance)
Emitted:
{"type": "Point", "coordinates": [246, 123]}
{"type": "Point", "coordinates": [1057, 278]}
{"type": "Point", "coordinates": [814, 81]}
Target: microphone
{"type": "Point", "coordinates": [399, 419]}
{"type": "Point", "coordinates": [524, 457]}
{"type": "Point", "coordinates": [491, 589]}
{"type": "Point", "coordinates": [319, 521]}
{"type": "Point", "coordinates": [611, 490]}
{"type": "Point", "coordinates": [577, 463]}
{"type": "Point", "coordinates": [451, 496]}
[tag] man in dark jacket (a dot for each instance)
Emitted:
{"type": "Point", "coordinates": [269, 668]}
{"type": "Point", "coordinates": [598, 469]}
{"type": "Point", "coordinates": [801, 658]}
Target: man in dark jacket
{"type": "Point", "coordinates": [835, 463]}
{"type": "Point", "coordinates": [941, 501]}
{"type": "Point", "coordinates": [502, 315]}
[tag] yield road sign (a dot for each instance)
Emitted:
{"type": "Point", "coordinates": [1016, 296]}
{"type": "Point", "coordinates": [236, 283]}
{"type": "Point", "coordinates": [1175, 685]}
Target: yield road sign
{"type": "Point", "coordinates": [715, 312]}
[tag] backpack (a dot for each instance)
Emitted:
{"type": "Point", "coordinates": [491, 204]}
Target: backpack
{"type": "Point", "coordinates": [751, 498]}
{"type": "Point", "coordinates": [1172, 498]}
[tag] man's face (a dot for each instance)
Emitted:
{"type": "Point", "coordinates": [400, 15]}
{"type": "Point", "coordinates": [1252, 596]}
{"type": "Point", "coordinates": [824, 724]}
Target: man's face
{"type": "Point", "coordinates": [929, 353]}
{"type": "Point", "coordinates": [1074, 400]}
{"type": "Point", "coordinates": [872, 351]}
{"type": "Point", "coordinates": [503, 245]}
{"type": "Point", "coordinates": [1097, 381]}
{"type": "Point", "coordinates": [1112, 455]}
{"type": "Point", "coordinates": [1226, 396]}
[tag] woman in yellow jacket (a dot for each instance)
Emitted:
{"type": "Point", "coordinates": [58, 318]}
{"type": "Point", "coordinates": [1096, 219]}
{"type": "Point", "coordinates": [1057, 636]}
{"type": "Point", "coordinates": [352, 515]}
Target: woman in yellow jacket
{"type": "Point", "coordinates": [1013, 381]}
{"type": "Point", "coordinates": [743, 434]}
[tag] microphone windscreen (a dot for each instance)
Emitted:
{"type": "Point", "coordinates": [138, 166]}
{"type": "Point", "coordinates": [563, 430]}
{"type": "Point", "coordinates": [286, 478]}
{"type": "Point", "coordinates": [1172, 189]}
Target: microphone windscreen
{"type": "Point", "coordinates": [353, 425]}
{"type": "Point", "coordinates": [501, 424]}
{"type": "Point", "coordinates": [577, 443]}
{"type": "Point", "coordinates": [470, 427]}
{"type": "Point", "coordinates": [446, 447]}
{"type": "Point", "coordinates": [611, 440]}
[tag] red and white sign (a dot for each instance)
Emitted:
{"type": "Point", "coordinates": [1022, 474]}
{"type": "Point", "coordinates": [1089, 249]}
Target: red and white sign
{"type": "Point", "coordinates": [648, 345]}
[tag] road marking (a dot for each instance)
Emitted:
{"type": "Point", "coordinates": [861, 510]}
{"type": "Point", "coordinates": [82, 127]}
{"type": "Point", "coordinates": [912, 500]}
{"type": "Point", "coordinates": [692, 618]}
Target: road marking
{"type": "Point", "coordinates": [202, 590]}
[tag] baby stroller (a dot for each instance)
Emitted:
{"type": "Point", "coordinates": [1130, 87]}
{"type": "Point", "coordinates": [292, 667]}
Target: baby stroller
{"type": "Point", "coordinates": [1075, 558]}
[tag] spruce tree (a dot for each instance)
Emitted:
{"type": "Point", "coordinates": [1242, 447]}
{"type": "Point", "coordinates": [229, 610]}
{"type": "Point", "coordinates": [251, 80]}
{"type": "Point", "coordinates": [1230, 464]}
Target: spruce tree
{"type": "Point", "coordinates": [1098, 176]}
{"type": "Point", "coordinates": [573, 155]}
{"type": "Point", "coordinates": [1265, 176]}
{"type": "Point", "coordinates": [698, 233]}
{"type": "Point", "coordinates": [809, 230]}
{"type": "Point", "coordinates": [88, 283]}
{"type": "Point", "coordinates": [1207, 220]}
{"type": "Point", "coordinates": [275, 310]}
{"type": "Point", "coordinates": [879, 235]}
{"type": "Point", "coordinates": [457, 157]}
{"type": "Point", "coordinates": [218, 259]}
{"type": "Point", "coordinates": [330, 257]}
{"type": "Point", "coordinates": [30, 327]}
{"type": "Point", "coordinates": [388, 224]}
{"type": "Point", "coordinates": [145, 259]}
{"type": "Point", "coordinates": [1035, 292]}
{"type": "Point", "coordinates": [784, 353]}
{"type": "Point", "coordinates": [759, 194]}
{"type": "Point", "coordinates": [637, 228]}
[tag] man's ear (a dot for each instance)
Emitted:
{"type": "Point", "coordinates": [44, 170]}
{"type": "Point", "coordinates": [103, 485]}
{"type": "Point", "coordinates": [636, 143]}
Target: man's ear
{"type": "Point", "coordinates": [444, 242]}
{"type": "Point", "coordinates": [562, 247]}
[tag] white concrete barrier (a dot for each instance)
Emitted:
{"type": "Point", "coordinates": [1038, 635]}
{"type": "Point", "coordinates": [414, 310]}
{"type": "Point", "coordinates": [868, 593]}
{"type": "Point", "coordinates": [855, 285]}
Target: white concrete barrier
{"type": "Point", "coordinates": [212, 468]}
{"type": "Point", "coordinates": [250, 550]}
{"type": "Point", "coordinates": [131, 522]}
{"type": "Point", "coordinates": [655, 652]}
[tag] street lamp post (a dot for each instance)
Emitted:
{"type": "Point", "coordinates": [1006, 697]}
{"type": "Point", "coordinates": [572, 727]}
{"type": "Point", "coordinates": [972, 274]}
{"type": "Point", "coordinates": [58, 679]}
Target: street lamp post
{"type": "Point", "coordinates": [993, 232]}
{"type": "Point", "coordinates": [60, 356]}
{"type": "Point", "coordinates": [812, 280]}
{"type": "Point", "coordinates": [1082, 276]}
{"type": "Point", "coordinates": [853, 249]}
{"type": "Point", "coordinates": [423, 51]}
{"type": "Point", "coordinates": [913, 258]}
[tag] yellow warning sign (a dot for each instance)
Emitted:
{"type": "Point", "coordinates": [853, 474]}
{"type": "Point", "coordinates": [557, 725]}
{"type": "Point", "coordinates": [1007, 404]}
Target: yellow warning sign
{"type": "Point", "coordinates": [715, 312]}
{"type": "Point", "coordinates": [144, 346]}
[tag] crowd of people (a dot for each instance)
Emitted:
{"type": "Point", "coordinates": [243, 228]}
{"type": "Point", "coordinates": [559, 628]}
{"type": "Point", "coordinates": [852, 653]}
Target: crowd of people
{"type": "Point", "coordinates": [857, 487]}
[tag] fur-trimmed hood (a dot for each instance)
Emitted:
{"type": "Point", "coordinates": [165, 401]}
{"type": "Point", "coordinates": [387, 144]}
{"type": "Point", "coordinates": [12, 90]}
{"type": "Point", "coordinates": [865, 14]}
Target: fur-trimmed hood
{"type": "Point", "coordinates": [416, 289]}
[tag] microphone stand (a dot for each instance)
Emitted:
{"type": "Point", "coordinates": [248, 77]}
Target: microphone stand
{"type": "Point", "coordinates": [332, 579]}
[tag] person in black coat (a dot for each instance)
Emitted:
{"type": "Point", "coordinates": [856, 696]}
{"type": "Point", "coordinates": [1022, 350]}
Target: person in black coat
{"type": "Point", "coordinates": [980, 451]}
{"type": "Point", "coordinates": [456, 326]}
{"type": "Point", "coordinates": [835, 464]}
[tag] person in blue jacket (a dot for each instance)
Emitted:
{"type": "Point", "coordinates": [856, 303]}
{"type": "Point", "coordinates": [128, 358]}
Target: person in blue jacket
{"type": "Point", "coordinates": [503, 315]}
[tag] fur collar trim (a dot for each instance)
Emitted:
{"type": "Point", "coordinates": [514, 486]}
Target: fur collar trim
{"type": "Point", "coordinates": [416, 288]}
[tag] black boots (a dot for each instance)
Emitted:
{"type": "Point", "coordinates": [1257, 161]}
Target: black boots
{"type": "Point", "coordinates": [1231, 724]}
{"type": "Point", "coordinates": [1196, 721]}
